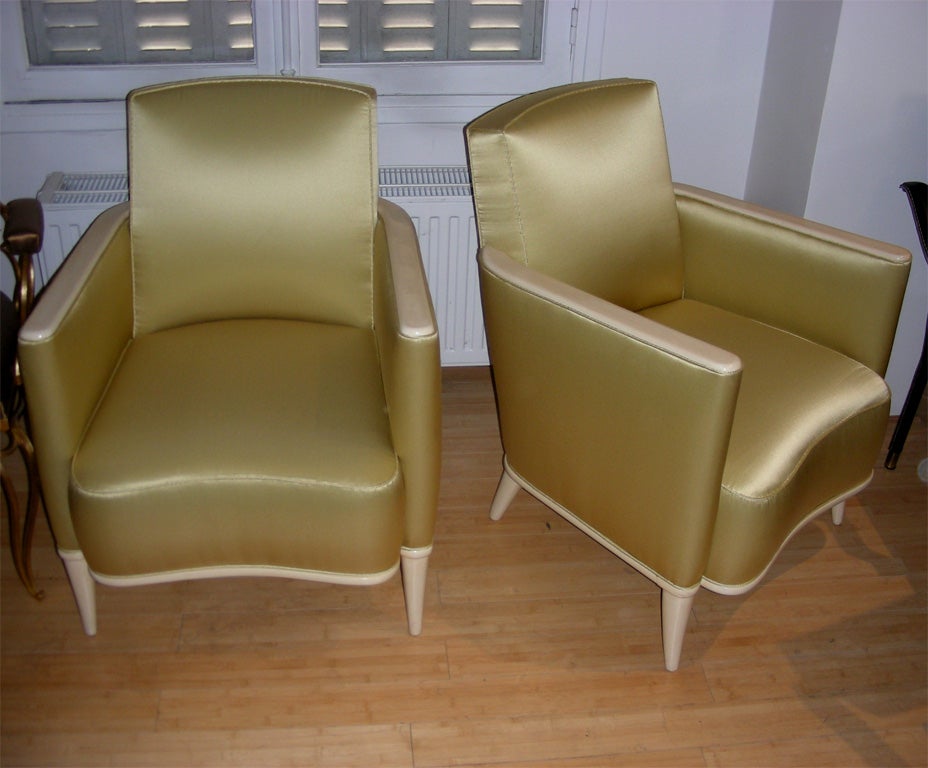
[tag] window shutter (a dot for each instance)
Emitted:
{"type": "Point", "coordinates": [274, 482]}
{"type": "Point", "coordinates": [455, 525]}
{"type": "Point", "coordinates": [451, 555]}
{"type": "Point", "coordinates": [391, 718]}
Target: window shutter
{"type": "Point", "coordinates": [138, 31]}
{"type": "Point", "coordinates": [73, 31]}
{"type": "Point", "coordinates": [339, 30]}
{"type": "Point", "coordinates": [429, 30]}
{"type": "Point", "coordinates": [496, 29]}
{"type": "Point", "coordinates": [407, 30]}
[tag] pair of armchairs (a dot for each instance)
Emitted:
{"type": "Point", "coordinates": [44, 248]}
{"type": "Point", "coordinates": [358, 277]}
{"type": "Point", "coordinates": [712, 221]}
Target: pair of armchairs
{"type": "Point", "coordinates": [237, 372]}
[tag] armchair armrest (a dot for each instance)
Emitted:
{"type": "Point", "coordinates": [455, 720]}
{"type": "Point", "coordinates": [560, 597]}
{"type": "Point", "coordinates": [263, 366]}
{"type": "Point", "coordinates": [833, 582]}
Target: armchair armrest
{"type": "Point", "coordinates": [835, 288]}
{"type": "Point", "coordinates": [407, 338]}
{"type": "Point", "coordinates": [70, 346]}
{"type": "Point", "coordinates": [615, 386]}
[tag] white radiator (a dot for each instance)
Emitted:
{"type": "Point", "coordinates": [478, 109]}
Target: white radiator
{"type": "Point", "coordinates": [438, 199]}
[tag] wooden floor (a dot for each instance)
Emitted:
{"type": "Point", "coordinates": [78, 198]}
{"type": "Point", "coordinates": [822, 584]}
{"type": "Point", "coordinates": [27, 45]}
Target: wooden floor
{"type": "Point", "coordinates": [539, 648]}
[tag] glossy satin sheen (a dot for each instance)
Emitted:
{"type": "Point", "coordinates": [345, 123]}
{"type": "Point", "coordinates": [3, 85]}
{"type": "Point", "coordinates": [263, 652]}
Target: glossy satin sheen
{"type": "Point", "coordinates": [533, 199]}
{"type": "Point", "coordinates": [293, 183]}
{"type": "Point", "coordinates": [806, 419]}
{"type": "Point", "coordinates": [695, 469]}
{"type": "Point", "coordinates": [245, 370]}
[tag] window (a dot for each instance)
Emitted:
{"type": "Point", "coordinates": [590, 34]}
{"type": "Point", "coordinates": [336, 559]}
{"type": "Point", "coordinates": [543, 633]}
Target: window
{"type": "Point", "coordinates": [116, 45]}
{"type": "Point", "coordinates": [66, 32]}
{"type": "Point", "coordinates": [429, 30]}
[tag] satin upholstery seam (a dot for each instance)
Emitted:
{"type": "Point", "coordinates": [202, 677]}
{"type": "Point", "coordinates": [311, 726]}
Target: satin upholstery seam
{"type": "Point", "coordinates": [788, 479]}
{"type": "Point", "coordinates": [617, 83]}
{"type": "Point", "coordinates": [794, 225]}
{"type": "Point", "coordinates": [372, 162]}
{"type": "Point", "coordinates": [522, 114]}
{"type": "Point", "coordinates": [515, 196]}
{"type": "Point", "coordinates": [219, 480]}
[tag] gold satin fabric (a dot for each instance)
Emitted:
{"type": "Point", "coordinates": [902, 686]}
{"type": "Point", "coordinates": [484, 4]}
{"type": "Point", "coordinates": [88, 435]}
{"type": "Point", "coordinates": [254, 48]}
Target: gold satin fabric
{"type": "Point", "coordinates": [629, 436]}
{"type": "Point", "coordinates": [807, 425]}
{"type": "Point", "coordinates": [741, 393]}
{"type": "Point", "coordinates": [240, 367]}
{"type": "Point", "coordinates": [246, 428]}
{"type": "Point", "coordinates": [831, 287]}
{"type": "Point", "coordinates": [534, 201]}
{"type": "Point", "coordinates": [223, 222]}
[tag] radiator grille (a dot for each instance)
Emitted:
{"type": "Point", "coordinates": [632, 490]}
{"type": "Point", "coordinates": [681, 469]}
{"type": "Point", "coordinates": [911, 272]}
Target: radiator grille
{"type": "Point", "coordinates": [433, 181]}
{"type": "Point", "coordinates": [437, 199]}
{"type": "Point", "coordinates": [395, 182]}
{"type": "Point", "coordinates": [85, 189]}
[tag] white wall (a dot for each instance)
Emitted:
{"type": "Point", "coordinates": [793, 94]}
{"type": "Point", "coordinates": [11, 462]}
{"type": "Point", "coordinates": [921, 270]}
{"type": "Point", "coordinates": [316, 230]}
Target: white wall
{"type": "Point", "coordinates": [873, 136]}
{"type": "Point", "coordinates": [800, 50]}
{"type": "Point", "coordinates": [707, 58]}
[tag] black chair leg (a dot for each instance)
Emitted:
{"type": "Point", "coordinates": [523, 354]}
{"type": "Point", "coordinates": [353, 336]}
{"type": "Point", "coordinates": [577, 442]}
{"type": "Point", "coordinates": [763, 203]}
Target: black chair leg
{"type": "Point", "coordinates": [912, 401]}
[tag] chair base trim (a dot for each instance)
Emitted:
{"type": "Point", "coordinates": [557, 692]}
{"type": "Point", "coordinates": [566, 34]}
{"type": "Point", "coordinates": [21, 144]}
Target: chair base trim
{"type": "Point", "coordinates": [505, 493]}
{"type": "Point", "coordinates": [234, 571]}
{"type": "Point", "coordinates": [836, 505]}
{"type": "Point", "coordinates": [414, 563]}
{"type": "Point", "coordinates": [676, 602]}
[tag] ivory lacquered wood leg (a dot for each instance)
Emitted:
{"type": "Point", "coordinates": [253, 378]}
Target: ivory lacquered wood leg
{"type": "Point", "coordinates": [837, 513]}
{"type": "Point", "coordinates": [82, 584]}
{"type": "Point", "coordinates": [505, 492]}
{"type": "Point", "coordinates": [675, 613]}
{"type": "Point", "coordinates": [414, 564]}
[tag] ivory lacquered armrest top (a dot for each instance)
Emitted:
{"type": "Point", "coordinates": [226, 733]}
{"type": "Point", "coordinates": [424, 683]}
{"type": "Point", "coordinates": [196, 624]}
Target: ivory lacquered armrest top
{"type": "Point", "coordinates": [415, 315]}
{"type": "Point", "coordinates": [622, 321]}
{"type": "Point", "coordinates": [65, 289]}
{"type": "Point", "coordinates": [832, 287]}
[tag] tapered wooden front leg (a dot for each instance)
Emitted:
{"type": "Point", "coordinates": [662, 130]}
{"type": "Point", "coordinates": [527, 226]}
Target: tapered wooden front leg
{"type": "Point", "coordinates": [675, 613]}
{"type": "Point", "coordinates": [414, 564]}
{"type": "Point", "coordinates": [505, 492]}
{"type": "Point", "coordinates": [83, 586]}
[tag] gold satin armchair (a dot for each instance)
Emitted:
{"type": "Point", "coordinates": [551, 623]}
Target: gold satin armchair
{"type": "Point", "coordinates": [686, 377]}
{"type": "Point", "coordinates": [236, 373]}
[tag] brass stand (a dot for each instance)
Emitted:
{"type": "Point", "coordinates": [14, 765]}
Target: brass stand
{"type": "Point", "coordinates": [21, 526]}
{"type": "Point", "coordinates": [22, 240]}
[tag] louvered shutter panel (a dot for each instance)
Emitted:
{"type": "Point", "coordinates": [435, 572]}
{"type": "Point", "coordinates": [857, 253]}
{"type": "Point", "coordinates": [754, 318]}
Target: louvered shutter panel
{"type": "Point", "coordinates": [73, 31]}
{"type": "Point", "coordinates": [406, 30]}
{"type": "Point", "coordinates": [496, 29]}
{"type": "Point", "coordinates": [138, 31]}
{"type": "Point", "coordinates": [429, 30]}
{"type": "Point", "coordinates": [339, 31]}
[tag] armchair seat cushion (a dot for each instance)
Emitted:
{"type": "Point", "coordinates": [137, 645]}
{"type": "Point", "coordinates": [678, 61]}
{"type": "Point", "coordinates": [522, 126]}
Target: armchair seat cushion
{"type": "Point", "coordinates": [803, 433]}
{"type": "Point", "coordinates": [241, 442]}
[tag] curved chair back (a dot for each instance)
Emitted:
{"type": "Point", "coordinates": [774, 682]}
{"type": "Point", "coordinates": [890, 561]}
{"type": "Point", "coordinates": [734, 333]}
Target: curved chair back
{"type": "Point", "coordinates": [215, 232]}
{"type": "Point", "coordinates": [587, 195]}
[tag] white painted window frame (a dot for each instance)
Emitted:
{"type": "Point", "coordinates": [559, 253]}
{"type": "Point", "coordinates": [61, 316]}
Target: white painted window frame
{"type": "Point", "coordinates": [286, 43]}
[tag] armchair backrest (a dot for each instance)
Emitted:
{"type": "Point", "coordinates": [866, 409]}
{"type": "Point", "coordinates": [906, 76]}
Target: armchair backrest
{"type": "Point", "coordinates": [575, 182]}
{"type": "Point", "coordinates": [252, 197]}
